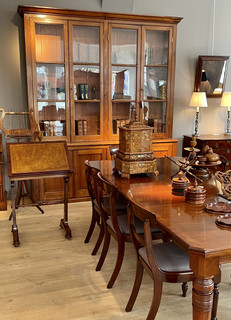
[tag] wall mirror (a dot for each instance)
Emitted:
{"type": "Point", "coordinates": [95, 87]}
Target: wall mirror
{"type": "Point", "coordinates": [211, 75]}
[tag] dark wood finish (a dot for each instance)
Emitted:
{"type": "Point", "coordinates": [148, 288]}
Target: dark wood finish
{"type": "Point", "coordinates": [115, 224]}
{"type": "Point", "coordinates": [189, 226]}
{"type": "Point", "coordinates": [200, 67]}
{"type": "Point", "coordinates": [95, 218]}
{"type": "Point", "coordinates": [146, 259]}
{"type": "Point", "coordinates": [111, 225]}
{"type": "Point", "coordinates": [220, 143]}
{"type": "Point", "coordinates": [162, 142]}
{"type": "Point", "coordinates": [34, 160]}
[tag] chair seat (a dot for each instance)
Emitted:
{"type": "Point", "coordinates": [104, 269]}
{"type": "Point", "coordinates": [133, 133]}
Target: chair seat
{"type": "Point", "coordinates": [123, 225]}
{"type": "Point", "coordinates": [169, 257]}
{"type": "Point", "coordinates": [120, 204]}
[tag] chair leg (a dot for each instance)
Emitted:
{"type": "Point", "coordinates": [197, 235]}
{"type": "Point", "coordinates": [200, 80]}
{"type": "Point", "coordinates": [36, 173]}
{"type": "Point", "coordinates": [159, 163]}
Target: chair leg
{"type": "Point", "coordinates": [119, 261]}
{"type": "Point", "coordinates": [107, 238]}
{"type": "Point", "coordinates": [94, 219]}
{"type": "Point", "coordinates": [184, 289]}
{"type": "Point", "coordinates": [215, 301]}
{"type": "Point", "coordinates": [156, 298]}
{"type": "Point", "coordinates": [98, 242]}
{"type": "Point", "coordinates": [136, 286]}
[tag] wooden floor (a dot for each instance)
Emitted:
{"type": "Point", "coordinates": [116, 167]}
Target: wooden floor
{"type": "Point", "coordinates": [51, 278]}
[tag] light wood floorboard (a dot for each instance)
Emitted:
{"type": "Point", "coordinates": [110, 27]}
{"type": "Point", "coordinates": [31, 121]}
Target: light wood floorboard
{"type": "Point", "coordinates": [51, 278]}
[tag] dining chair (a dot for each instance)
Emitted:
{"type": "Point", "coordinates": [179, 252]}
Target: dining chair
{"type": "Point", "coordinates": [95, 217]}
{"type": "Point", "coordinates": [115, 224]}
{"type": "Point", "coordinates": [121, 206]}
{"type": "Point", "coordinates": [113, 150]}
{"type": "Point", "coordinates": [164, 262]}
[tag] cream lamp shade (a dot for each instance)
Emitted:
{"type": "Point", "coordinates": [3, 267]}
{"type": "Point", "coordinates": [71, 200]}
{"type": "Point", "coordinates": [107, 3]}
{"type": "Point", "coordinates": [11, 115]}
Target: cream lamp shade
{"type": "Point", "coordinates": [226, 100]}
{"type": "Point", "coordinates": [198, 100]}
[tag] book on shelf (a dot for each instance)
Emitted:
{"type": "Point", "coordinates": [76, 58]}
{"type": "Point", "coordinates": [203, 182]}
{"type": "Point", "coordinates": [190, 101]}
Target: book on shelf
{"type": "Point", "coordinates": [156, 124]}
{"type": "Point", "coordinates": [159, 128]}
{"type": "Point", "coordinates": [86, 91]}
{"type": "Point", "coordinates": [116, 123]}
{"type": "Point", "coordinates": [84, 127]}
{"type": "Point", "coordinates": [81, 91]}
{"type": "Point", "coordinates": [80, 127]}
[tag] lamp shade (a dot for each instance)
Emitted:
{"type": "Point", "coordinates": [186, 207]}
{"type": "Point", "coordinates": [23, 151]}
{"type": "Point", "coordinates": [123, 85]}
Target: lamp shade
{"type": "Point", "coordinates": [198, 99]}
{"type": "Point", "coordinates": [226, 99]}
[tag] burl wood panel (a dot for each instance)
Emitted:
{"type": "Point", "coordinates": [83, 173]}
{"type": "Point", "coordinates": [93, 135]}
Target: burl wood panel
{"type": "Point", "coordinates": [29, 158]}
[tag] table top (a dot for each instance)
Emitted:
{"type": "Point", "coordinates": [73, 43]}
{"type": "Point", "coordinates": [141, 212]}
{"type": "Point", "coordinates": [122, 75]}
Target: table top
{"type": "Point", "coordinates": [32, 160]}
{"type": "Point", "coordinates": [189, 225]}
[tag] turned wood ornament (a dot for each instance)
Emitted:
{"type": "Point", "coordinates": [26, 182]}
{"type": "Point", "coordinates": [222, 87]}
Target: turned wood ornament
{"type": "Point", "coordinates": [179, 184]}
{"type": "Point", "coordinates": [195, 194]}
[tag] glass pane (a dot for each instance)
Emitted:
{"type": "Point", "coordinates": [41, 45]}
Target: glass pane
{"type": "Point", "coordinates": [87, 119]}
{"type": "Point", "coordinates": [124, 46]}
{"type": "Point", "coordinates": [124, 83]}
{"type": "Point", "coordinates": [155, 83]}
{"type": "Point", "coordinates": [86, 83]}
{"type": "Point", "coordinates": [50, 82]}
{"type": "Point", "coordinates": [49, 42]}
{"type": "Point", "coordinates": [155, 115]}
{"type": "Point", "coordinates": [86, 44]}
{"type": "Point", "coordinates": [120, 115]}
{"type": "Point", "coordinates": [52, 118]}
{"type": "Point", "coordinates": [156, 47]}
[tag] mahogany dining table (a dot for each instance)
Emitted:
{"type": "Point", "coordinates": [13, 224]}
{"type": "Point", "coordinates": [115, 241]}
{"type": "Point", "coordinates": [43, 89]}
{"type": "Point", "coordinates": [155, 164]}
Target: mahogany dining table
{"type": "Point", "coordinates": [188, 225]}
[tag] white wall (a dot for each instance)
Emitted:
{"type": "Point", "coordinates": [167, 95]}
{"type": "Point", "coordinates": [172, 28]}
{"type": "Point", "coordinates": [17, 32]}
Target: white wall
{"type": "Point", "coordinates": [195, 37]}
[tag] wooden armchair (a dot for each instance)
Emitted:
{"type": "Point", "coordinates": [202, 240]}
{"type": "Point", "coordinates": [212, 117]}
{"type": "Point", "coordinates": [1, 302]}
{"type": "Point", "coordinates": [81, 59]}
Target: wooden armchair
{"type": "Point", "coordinates": [114, 218]}
{"type": "Point", "coordinates": [164, 262]}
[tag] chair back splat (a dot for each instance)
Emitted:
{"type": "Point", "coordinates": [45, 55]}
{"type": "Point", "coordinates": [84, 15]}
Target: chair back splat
{"type": "Point", "coordinates": [95, 218]}
{"type": "Point", "coordinates": [116, 224]}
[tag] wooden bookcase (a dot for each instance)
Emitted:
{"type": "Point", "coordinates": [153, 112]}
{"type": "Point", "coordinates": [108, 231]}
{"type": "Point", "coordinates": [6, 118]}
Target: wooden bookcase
{"type": "Point", "coordinates": [87, 71]}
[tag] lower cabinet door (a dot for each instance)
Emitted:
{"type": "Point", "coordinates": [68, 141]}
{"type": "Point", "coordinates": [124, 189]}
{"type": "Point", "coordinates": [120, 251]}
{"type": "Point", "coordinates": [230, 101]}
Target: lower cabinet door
{"type": "Point", "coordinates": [53, 188]}
{"type": "Point", "coordinates": [162, 149]}
{"type": "Point", "coordinates": [80, 186]}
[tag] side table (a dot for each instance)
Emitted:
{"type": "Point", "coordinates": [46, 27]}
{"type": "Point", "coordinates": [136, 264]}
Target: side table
{"type": "Point", "coordinates": [220, 143]}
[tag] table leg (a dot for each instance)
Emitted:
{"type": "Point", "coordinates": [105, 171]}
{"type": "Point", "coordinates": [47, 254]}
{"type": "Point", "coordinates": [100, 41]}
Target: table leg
{"type": "Point", "coordinates": [16, 241]}
{"type": "Point", "coordinates": [202, 298]}
{"type": "Point", "coordinates": [64, 222]}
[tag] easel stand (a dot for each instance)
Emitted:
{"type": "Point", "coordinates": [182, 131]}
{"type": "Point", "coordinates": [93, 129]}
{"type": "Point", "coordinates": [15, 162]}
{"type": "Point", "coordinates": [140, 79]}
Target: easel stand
{"type": "Point", "coordinates": [20, 194]}
{"type": "Point", "coordinates": [37, 160]}
{"type": "Point", "coordinates": [63, 222]}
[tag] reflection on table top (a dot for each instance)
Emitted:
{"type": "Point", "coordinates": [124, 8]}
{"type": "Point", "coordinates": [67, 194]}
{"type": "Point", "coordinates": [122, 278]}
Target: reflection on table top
{"type": "Point", "coordinates": [189, 225]}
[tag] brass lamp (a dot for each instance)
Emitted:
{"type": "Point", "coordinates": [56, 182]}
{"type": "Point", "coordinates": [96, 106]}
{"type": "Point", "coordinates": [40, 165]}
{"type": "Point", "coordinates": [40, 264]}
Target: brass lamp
{"type": "Point", "coordinates": [226, 102]}
{"type": "Point", "coordinates": [198, 100]}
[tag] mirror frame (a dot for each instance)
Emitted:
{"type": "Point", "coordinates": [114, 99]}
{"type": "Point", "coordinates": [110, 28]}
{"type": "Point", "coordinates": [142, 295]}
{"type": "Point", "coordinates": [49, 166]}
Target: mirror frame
{"type": "Point", "coordinates": [201, 60]}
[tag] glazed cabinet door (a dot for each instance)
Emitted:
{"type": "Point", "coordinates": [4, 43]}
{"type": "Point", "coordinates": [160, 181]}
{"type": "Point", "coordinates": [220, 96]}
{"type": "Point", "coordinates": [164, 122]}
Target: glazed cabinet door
{"type": "Point", "coordinates": [141, 77]}
{"type": "Point", "coordinates": [157, 79]}
{"type": "Point", "coordinates": [47, 70]}
{"type": "Point", "coordinates": [124, 75]}
{"type": "Point", "coordinates": [86, 80]}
